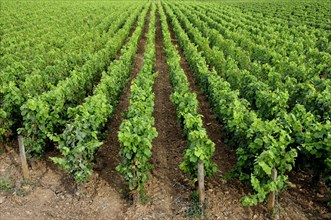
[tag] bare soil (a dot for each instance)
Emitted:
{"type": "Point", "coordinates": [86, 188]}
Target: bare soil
{"type": "Point", "coordinates": [51, 194]}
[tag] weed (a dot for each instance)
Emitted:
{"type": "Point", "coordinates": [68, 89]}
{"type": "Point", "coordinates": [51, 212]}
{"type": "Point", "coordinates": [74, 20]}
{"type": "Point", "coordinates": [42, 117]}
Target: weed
{"type": "Point", "coordinates": [195, 209]}
{"type": "Point", "coordinates": [6, 184]}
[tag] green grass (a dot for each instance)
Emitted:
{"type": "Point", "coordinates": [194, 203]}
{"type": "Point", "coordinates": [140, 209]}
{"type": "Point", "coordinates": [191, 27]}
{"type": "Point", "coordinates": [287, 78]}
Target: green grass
{"type": "Point", "coordinates": [194, 210]}
{"type": "Point", "coordinates": [6, 184]}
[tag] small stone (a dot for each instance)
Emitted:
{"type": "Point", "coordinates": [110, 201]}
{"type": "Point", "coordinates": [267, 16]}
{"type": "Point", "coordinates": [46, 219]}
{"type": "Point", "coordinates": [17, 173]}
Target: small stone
{"type": "Point", "coordinates": [292, 185]}
{"type": "Point", "coordinates": [320, 195]}
{"type": "Point", "coordinates": [34, 164]}
{"type": "Point", "coordinates": [2, 200]}
{"type": "Point", "coordinates": [26, 187]}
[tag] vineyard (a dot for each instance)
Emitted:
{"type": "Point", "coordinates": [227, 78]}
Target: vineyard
{"type": "Point", "coordinates": [120, 104]}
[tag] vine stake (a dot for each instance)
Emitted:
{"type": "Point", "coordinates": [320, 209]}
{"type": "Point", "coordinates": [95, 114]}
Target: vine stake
{"type": "Point", "coordinates": [24, 164]}
{"type": "Point", "coordinates": [201, 186]}
{"type": "Point", "coordinates": [272, 195]}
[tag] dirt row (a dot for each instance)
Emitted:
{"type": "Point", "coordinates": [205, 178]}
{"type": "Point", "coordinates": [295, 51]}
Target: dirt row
{"type": "Point", "coordinates": [52, 195]}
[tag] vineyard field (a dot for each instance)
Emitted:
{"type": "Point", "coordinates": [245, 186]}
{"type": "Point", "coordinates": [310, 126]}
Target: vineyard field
{"type": "Point", "coordinates": [120, 104]}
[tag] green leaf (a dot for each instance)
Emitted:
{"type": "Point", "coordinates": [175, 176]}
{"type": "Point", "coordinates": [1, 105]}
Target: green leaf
{"type": "Point", "coordinates": [267, 169]}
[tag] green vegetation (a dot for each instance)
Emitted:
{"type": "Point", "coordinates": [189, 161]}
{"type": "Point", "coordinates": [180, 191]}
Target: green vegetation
{"type": "Point", "coordinates": [137, 131]}
{"type": "Point", "coordinates": [199, 146]}
{"type": "Point", "coordinates": [6, 184]}
{"type": "Point", "coordinates": [80, 139]}
{"type": "Point", "coordinates": [264, 65]}
{"type": "Point", "coordinates": [266, 129]}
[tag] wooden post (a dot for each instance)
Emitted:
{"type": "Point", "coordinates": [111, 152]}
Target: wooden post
{"type": "Point", "coordinates": [24, 164]}
{"type": "Point", "coordinates": [272, 195]}
{"type": "Point", "coordinates": [201, 186]}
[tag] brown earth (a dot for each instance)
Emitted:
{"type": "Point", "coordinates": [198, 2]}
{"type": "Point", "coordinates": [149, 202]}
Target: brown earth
{"type": "Point", "coordinates": [50, 194]}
